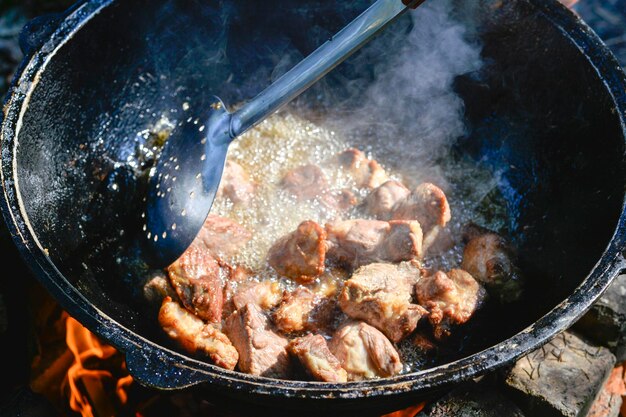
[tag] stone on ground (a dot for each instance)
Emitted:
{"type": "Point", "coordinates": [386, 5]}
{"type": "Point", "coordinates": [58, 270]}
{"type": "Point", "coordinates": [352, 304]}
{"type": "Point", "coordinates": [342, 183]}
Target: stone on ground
{"type": "Point", "coordinates": [561, 379]}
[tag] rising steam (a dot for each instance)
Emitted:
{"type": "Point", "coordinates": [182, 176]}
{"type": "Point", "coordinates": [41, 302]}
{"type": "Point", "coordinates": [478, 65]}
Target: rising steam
{"type": "Point", "coordinates": [411, 113]}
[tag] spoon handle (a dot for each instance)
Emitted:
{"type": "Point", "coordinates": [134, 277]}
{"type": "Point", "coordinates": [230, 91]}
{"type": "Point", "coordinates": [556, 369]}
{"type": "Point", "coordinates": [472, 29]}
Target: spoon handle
{"type": "Point", "coordinates": [319, 63]}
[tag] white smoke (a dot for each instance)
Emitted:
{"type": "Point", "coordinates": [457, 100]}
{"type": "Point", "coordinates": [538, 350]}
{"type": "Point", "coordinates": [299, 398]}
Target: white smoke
{"type": "Point", "coordinates": [411, 114]}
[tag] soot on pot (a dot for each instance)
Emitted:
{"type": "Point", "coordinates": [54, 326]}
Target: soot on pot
{"type": "Point", "coordinates": [402, 110]}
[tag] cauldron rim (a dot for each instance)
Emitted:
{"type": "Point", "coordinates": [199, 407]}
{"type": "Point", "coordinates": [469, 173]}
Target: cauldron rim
{"type": "Point", "coordinates": [161, 367]}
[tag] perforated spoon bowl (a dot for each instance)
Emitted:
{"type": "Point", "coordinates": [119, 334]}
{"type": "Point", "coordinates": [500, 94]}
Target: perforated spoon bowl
{"type": "Point", "coordinates": [184, 182]}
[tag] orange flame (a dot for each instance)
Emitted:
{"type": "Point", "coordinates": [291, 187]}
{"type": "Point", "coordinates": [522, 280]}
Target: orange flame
{"type": "Point", "coordinates": [93, 392]}
{"type": "Point", "coordinates": [93, 376]}
{"type": "Point", "coordinates": [569, 3]}
{"type": "Point", "coordinates": [408, 412]}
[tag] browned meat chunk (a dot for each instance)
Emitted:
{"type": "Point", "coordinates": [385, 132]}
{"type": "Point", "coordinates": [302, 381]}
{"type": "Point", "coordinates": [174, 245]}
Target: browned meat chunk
{"type": "Point", "coordinates": [367, 173]}
{"type": "Point", "coordinates": [305, 183]}
{"type": "Point", "coordinates": [355, 242]}
{"type": "Point", "coordinates": [364, 352]}
{"type": "Point", "coordinates": [360, 242]}
{"type": "Point", "coordinates": [236, 184]}
{"type": "Point", "coordinates": [450, 298]}
{"type": "Point", "coordinates": [491, 261]}
{"type": "Point", "coordinates": [195, 336]}
{"type": "Point", "coordinates": [222, 237]}
{"type": "Point", "coordinates": [196, 278]}
{"type": "Point", "coordinates": [304, 310]}
{"type": "Point", "coordinates": [237, 281]}
{"type": "Point", "coordinates": [300, 255]}
{"type": "Point", "coordinates": [262, 352]}
{"type": "Point", "coordinates": [157, 287]}
{"type": "Point", "coordinates": [325, 316]}
{"type": "Point", "coordinates": [294, 312]}
{"type": "Point", "coordinates": [381, 295]}
{"type": "Point", "coordinates": [403, 242]}
{"type": "Point", "coordinates": [380, 202]}
{"type": "Point", "coordinates": [265, 295]}
{"type": "Point", "coordinates": [427, 204]}
{"type": "Point", "coordinates": [314, 355]}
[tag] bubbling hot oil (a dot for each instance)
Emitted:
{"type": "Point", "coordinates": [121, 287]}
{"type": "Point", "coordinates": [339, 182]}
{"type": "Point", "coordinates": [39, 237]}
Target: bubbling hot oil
{"type": "Point", "coordinates": [286, 141]}
{"type": "Point", "coordinates": [276, 146]}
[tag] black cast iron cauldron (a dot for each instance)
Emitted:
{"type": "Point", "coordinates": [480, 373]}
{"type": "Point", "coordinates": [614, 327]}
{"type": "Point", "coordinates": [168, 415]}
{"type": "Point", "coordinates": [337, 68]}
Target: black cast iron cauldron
{"type": "Point", "coordinates": [547, 113]}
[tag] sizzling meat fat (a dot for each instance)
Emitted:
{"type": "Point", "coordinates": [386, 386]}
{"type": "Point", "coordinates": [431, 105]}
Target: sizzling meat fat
{"type": "Point", "coordinates": [195, 336]}
{"type": "Point", "coordinates": [381, 295]}
{"type": "Point", "coordinates": [340, 295]}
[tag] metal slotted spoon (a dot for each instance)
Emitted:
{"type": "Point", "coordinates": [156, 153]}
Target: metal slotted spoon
{"type": "Point", "coordinates": [185, 180]}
